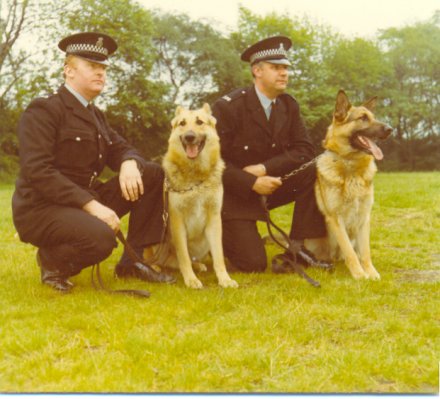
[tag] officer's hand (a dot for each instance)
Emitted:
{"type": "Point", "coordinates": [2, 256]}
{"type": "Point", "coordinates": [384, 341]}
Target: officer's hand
{"type": "Point", "coordinates": [103, 213]}
{"type": "Point", "coordinates": [266, 185]}
{"type": "Point", "coordinates": [256, 170]}
{"type": "Point", "coordinates": [130, 180]}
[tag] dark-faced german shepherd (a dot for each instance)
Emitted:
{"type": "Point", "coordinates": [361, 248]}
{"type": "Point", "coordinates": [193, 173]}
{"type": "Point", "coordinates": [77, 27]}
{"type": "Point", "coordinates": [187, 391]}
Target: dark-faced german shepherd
{"type": "Point", "coordinates": [344, 186]}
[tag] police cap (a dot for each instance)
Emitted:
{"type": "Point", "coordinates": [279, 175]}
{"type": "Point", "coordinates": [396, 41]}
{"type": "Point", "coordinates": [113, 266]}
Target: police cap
{"type": "Point", "coordinates": [92, 46]}
{"type": "Point", "coordinates": [273, 50]}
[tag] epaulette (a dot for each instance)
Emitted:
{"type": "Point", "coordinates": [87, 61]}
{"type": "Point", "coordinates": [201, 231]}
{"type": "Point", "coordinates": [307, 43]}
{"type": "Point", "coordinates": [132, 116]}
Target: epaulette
{"type": "Point", "coordinates": [233, 95]}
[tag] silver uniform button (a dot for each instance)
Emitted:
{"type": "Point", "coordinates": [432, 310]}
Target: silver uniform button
{"type": "Point", "coordinates": [100, 156]}
{"type": "Point", "coordinates": [273, 145]}
{"type": "Point", "coordinates": [78, 138]}
{"type": "Point", "coordinates": [246, 147]}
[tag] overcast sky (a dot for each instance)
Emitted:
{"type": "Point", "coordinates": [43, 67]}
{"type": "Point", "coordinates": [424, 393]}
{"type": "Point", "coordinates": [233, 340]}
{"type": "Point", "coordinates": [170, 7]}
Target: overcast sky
{"type": "Point", "coordinates": [349, 17]}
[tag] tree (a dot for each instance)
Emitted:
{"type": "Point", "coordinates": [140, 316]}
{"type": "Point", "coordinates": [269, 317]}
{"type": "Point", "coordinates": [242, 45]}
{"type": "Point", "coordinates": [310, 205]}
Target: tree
{"type": "Point", "coordinates": [413, 94]}
{"type": "Point", "coordinates": [190, 56]}
{"type": "Point", "coordinates": [359, 67]}
{"type": "Point", "coordinates": [18, 73]}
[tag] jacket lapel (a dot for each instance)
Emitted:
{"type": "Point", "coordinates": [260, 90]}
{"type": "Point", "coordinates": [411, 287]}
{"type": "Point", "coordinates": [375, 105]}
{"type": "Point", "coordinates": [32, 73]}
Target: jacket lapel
{"type": "Point", "coordinates": [78, 109]}
{"type": "Point", "coordinates": [280, 117]}
{"type": "Point", "coordinates": [257, 111]}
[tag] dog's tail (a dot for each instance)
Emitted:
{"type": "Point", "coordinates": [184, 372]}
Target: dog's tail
{"type": "Point", "coordinates": [159, 256]}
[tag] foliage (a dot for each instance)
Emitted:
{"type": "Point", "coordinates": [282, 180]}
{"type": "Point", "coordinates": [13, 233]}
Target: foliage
{"type": "Point", "coordinates": [20, 20]}
{"type": "Point", "coordinates": [275, 333]}
{"type": "Point", "coordinates": [167, 59]}
{"type": "Point", "coordinates": [187, 53]}
{"type": "Point", "coordinates": [413, 92]}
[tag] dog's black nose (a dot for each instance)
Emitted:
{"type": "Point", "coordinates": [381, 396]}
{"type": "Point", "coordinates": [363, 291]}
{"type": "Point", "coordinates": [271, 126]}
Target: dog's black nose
{"type": "Point", "coordinates": [388, 130]}
{"type": "Point", "coordinates": [189, 137]}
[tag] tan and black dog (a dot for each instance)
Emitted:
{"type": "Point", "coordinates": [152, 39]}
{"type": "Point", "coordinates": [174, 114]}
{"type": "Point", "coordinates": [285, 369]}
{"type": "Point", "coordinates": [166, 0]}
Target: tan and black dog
{"type": "Point", "coordinates": [344, 186]}
{"type": "Point", "coordinates": [193, 169]}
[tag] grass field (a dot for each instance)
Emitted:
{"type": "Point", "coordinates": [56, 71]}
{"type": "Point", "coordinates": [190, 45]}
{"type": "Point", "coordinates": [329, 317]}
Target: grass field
{"type": "Point", "coordinates": [274, 334]}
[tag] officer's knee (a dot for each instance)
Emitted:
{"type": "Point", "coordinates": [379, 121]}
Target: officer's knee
{"type": "Point", "coordinates": [105, 244]}
{"type": "Point", "coordinates": [97, 244]}
{"type": "Point", "coordinates": [153, 172]}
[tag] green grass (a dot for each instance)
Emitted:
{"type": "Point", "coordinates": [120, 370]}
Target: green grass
{"type": "Point", "coordinates": [274, 334]}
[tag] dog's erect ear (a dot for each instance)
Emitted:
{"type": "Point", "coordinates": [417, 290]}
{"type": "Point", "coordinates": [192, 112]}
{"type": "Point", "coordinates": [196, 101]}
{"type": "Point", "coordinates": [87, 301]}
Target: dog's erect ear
{"type": "Point", "coordinates": [212, 121]}
{"type": "Point", "coordinates": [207, 108]}
{"type": "Point", "coordinates": [342, 106]}
{"type": "Point", "coordinates": [179, 109]}
{"type": "Point", "coordinates": [174, 123]}
{"type": "Point", "coordinates": [370, 104]}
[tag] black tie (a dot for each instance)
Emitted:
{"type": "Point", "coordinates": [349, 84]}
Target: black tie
{"type": "Point", "coordinates": [272, 115]}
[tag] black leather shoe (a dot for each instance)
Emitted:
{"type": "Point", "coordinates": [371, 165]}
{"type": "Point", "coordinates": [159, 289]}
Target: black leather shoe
{"type": "Point", "coordinates": [306, 258]}
{"type": "Point", "coordinates": [143, 272]}
{"type": "Point", "coordinates": [54, 278]}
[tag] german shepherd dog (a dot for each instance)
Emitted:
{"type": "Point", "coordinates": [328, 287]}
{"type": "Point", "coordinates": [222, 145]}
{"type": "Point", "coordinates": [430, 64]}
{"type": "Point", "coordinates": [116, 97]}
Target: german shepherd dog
{"type": "Point", "coordinates": [344, 185]}
{"type": "Point", "coordinates": [193, 172]}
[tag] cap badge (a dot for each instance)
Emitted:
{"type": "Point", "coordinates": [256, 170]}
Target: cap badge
{"type": "Point", "coordinates": [100, 42]}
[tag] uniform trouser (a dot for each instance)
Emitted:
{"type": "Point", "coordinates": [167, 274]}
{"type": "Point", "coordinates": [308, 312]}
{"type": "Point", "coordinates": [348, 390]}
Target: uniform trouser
{"type": "Point", "coordinates": [242, 243]}
{"type": "Point", "coordinates": [69, 239]}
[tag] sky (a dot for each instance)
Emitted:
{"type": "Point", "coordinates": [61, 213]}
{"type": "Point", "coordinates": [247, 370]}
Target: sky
{"type": "Point", "coordinates": [349, 17]}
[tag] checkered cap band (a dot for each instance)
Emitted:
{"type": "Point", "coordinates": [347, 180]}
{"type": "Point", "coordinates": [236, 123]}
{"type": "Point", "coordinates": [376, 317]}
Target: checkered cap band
{"type": "Point", "coordinates": [82, 47]}
{"type": "Point", "coordinates": [265, 54]}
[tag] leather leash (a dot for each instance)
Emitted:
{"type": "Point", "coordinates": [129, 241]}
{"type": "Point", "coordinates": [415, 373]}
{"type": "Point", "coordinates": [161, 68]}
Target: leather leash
{"type": "Point", "coordinates": [292, 247]}
{"type": "Point", "coordinates": [134, 257]}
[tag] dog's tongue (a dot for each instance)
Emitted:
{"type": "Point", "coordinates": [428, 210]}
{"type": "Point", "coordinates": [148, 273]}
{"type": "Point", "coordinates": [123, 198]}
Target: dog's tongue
{"type": "Point", "coordinates": [192, 150]}
{"type": "Point", "coordinates": [372, 146]}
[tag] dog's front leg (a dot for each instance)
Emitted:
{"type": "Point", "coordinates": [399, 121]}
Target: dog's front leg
{"type": "Point", "coordinates": [363, 241]}
{"type": "Point", "coordinates": [179, 237]}
{"type": "Point", "coordinates": [337, 227]}
{"type": "Point", "coordinates": [214, 237]}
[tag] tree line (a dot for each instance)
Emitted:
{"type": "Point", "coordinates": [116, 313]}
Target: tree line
{"type": "Point", "coordinates": [165, 59]}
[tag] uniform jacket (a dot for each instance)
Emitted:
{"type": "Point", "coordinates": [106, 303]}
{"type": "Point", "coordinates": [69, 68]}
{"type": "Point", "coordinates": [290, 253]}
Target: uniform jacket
{"type": "Point", "coordinates": [63, 149]}
{"type": "Point", "coordinates": [247, 138]}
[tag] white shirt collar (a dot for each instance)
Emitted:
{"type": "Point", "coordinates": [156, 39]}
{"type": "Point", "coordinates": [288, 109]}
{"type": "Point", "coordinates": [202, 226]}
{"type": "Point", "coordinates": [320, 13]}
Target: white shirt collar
{"type": "Point", "coordinates": [78, 96]}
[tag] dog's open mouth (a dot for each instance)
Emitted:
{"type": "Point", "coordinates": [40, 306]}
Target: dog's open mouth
{"type": "Point", "coordinates": [367, 145]}
{"type": "Point", "coordinates": [192, 145]}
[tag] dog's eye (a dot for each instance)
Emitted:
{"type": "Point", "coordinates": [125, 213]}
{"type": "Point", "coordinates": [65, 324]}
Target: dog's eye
{"type": "Point", "coordinates": [364, 118]}
{"type": "Point", "coordinates": [182, 122]}
{"type": "Point", "coordinates": [199, 122]}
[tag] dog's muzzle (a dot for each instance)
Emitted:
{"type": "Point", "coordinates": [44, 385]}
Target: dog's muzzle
{"type": "Point", "coordinates": [193, 143]}
{"type": "Point", "coordinates": [365, 140]}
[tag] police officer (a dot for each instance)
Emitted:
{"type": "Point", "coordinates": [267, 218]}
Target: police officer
{"type": "Point", "coordinates": [263, 138]}
{"type": "Point", "coordinates": [59, 204]}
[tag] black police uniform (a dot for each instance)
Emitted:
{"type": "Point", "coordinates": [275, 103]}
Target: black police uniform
{"type": "Point", "coordinates": [63, 150]}
{"type": "Point", "coordinates": [247, 138]}
{"type": "Point", "coordinates": [64, 147]}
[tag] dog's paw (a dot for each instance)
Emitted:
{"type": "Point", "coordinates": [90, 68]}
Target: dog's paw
{"type": "Point", "coordinates": [228, 283]}
{"type": "Point", "coordinates": [359, 274]}
{"type": "Point", "coordinates": [194, 283]}
{"type": "Point", "coordinates": [373, 274]}
{"type": "Point", "coordinates": [370, 271]}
